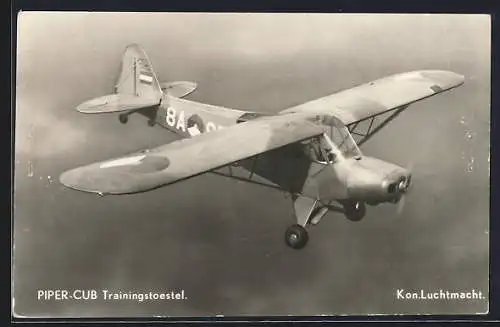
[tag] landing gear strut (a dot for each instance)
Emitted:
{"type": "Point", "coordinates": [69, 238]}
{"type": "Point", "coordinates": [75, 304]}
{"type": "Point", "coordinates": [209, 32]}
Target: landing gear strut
{"type": "Point", "coordinates": [296, 236]}
{"type": "Point", "coordinates": [123, 118]}
{"type": "Point", "coordinates": [307, 212]}
{"type": "Point", "coordinates": [355, 210]}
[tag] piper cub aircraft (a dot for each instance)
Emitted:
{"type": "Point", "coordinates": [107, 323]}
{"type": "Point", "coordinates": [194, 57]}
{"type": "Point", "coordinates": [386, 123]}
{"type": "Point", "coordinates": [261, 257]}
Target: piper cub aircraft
{"type": "Point", "coordinates": [307, 150]}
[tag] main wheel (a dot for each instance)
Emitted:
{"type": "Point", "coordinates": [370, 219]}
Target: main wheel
{"type": "Point", "coordinates": [296, 236]}
{"type": "Point", "coordinates": [355, 211]}
{"type": "Point", "coordinates": [123, 118]}
{"type": "Point", "coordinates": [151, 122]}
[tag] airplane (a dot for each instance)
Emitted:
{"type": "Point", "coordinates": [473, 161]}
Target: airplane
{"type": "Point", "coordinates": [307, 150]}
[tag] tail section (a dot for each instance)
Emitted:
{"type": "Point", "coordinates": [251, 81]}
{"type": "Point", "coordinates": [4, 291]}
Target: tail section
{"type": "Point", "coordinates": [137, 86]}
{"type": "Point", "coordinates": [136, 75]}
{"type": "Point", "coordinates": [137, 89]}
{"type": "Point", "coordinates": [178, 89]}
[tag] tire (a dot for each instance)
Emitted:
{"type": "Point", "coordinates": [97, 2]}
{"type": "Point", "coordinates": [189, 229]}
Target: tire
{"type": "Point", "coordinates": [151, 122]}
{"type": "Point", "coordinates": [123, 118]}
{"type": "Point", "coordinates": [355, 211]}
{"type": "Point", "coordinates": [296, 237]}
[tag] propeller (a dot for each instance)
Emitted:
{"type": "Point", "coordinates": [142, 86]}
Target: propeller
{"type": "Point", "coordinates": [406, 186]}
{"type": "Point", "coordinates": [401, 205]}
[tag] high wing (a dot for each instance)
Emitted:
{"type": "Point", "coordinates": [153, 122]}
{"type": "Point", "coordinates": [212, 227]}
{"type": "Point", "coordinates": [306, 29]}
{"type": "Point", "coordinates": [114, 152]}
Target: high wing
{"type": "Point", "coordinates": [181, 159]}
{"type": "Point", "coordinates": [380, 96]}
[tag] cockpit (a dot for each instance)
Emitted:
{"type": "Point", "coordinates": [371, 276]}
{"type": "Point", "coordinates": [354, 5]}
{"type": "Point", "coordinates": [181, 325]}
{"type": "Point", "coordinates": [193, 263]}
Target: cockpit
{"type": "Point", "coordinates": [335, 144]}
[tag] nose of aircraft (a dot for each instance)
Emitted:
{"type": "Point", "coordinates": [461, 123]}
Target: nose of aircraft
{"type": "Point", "coordinates": [378, 181]}
{"type": "Point", "coordinates": [399, 182]}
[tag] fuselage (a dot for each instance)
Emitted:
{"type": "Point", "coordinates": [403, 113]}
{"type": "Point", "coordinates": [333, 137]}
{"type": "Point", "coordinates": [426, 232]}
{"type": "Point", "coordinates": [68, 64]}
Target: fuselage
{"type": "Point", "coordinates": [189, 118]}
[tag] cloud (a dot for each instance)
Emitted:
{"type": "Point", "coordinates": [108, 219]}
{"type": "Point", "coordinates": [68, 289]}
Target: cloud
{"type": "Point", "coordinates": [40, 133]}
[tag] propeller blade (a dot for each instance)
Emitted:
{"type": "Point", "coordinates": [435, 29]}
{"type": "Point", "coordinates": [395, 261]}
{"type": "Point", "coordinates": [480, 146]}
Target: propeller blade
{"type": "Point", "coordinates": [401, 202]}
{"type": "Point", "coordinates": [401, 205]}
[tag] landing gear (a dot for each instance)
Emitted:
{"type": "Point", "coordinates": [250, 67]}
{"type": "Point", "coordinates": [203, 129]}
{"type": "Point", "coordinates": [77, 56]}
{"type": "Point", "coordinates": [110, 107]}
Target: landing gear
{"type": "Point", "coordinates": [123, 118]}
{"type": "Point", "coordinates": [151, 122]}
{"type": "Point", "coordinates": [307, 212]}
{"type": "Point", "coordinates": [296, 236]}
{"type": "Point", "coordinates": [354, 210]}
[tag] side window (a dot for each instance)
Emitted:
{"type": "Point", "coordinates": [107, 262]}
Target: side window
{"type": "Point", "coordinates": [327, 150]}
{"type": "Point", "coordinates": [321, 150]}
{"type": "Point", "coordinates": [317, 149]}
{"type": "Point", "coordinates": [317, 152]}
{"type": "Point", "coordinates": [331, 156]}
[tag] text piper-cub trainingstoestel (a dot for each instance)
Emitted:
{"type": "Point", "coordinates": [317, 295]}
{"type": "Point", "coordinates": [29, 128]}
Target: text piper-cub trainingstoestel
{"type": "Point", "coordinates": [307, 150]}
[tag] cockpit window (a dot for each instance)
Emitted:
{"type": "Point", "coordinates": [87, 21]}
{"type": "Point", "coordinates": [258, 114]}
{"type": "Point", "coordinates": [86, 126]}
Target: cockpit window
{"type": "Point", "coordinates": [321, 151]}
{"type": "Point", "coordinates": [341, 137]}
{"type": "Point", "coordinates": [337, 140]}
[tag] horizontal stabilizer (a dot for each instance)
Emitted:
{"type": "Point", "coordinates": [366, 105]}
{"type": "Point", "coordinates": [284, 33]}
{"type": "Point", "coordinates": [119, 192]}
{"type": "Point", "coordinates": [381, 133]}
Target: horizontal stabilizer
{"type": "Point", "coordinates": [178, 89]}
{"type": "Point", "coordinates": [115, 103]}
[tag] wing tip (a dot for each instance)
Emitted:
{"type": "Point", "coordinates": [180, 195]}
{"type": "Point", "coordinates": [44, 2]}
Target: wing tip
{"type": "Point", "coordinates": [444, 78]}
{"type": "Point", "coordinates": [70, 179]}
{"type": "Point", "coordinates": [118, 176]}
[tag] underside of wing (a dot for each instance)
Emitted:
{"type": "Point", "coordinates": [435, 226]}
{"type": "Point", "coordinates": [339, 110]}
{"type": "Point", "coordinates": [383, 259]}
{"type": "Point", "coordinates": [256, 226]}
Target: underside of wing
{"type": "Point", "coordinates": [382, 95]}
{"type": "Point", "coordinates": [185, 158]}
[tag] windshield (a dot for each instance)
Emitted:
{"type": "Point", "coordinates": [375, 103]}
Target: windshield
{"type": "Point", "coordinates": [340, 136]}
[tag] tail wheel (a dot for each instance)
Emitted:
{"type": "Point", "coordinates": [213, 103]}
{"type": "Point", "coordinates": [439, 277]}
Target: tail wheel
{"type": "Point", "coordinates": [151, 122]}
{"type": "Point", "coordinates": [123, 118]}
{"type": "Point", "coordinates": [355, 211]}
{"type": "Point", "coordinates": [296, 236]}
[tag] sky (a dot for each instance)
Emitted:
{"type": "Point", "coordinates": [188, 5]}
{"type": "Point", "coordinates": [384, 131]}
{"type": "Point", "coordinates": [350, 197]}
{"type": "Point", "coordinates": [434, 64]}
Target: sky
{"type": "Point", "coordinates": [221, 240]}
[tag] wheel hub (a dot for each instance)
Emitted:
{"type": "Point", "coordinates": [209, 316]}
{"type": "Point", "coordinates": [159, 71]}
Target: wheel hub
{"type": "Point", "coordinates": [294, 238]}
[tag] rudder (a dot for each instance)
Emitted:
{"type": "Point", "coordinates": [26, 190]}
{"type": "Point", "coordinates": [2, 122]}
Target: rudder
{"type": "Point", "coordinates": [136, 76]}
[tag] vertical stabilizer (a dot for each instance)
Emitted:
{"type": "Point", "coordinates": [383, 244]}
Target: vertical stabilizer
{"type": "Point", "coordinates": [136, 76]}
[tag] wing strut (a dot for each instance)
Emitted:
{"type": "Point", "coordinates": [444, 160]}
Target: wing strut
{"type": "Point", "coordinates": [371, 129]}
{"type": "Point", "coordinates": [248, 178]}
{"type": "Point", "coordinates": [253, 166]}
